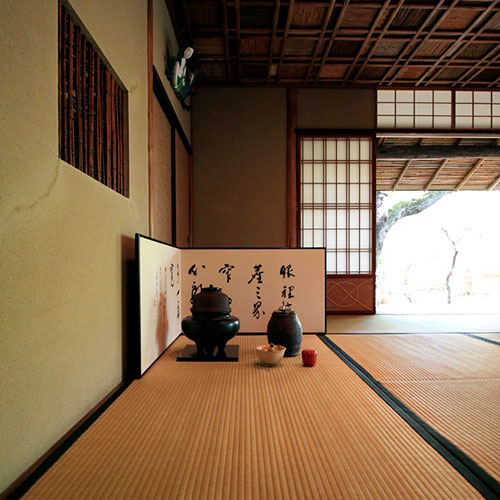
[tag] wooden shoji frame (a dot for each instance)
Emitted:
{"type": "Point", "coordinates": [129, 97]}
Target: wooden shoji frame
{"type": "Point", "coordinates": [336, 200]}
{"type": "Point", "coordinates": [93, 104]}
{"type": "Point", "coordinates": [438, 109]}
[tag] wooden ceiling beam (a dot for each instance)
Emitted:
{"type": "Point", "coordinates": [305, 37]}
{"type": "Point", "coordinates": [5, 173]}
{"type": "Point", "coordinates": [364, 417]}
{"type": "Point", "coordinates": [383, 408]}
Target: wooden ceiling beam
{"type": "Point", "coordinates": [273, 40]}
{"type": "Point", "coordinates": [367, 39]}
{"type": "Point", "coordinates": [401, 175]}
{"type": "Point", "coordinates": [494, 184]}
{"type": "Point", "coordinates": [379, 38]}
{"type": "Point", "coordinates": [436, 173]}
{"type": "Point", "coordinates": [332, 38]}
{"type": "Point", "coordinates": [454, 46]}
{"type": "Point", "coordinates": [319, 41]}
{"type": "Point", "coordinates": [436, 152]}
{"type": "Point", "coordinates": [226, 40]}
{"type": "Point", "coordinates": [412, 42]}
{"type": "Point", "coordinates": [469, 174]}
{"type": "Point", "coordinates": [289, 17]}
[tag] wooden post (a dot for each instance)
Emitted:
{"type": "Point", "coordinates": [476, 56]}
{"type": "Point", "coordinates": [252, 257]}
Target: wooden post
{"type": "Point", "coordinates": [150, 114]}
{"type": "Point", "coordinates": [291, 168]}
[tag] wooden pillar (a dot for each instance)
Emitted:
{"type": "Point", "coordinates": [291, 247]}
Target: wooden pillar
{"type": "Point", "coordinates": [150, 115]}
{"type": "Point", "coordinates": [291, 168]}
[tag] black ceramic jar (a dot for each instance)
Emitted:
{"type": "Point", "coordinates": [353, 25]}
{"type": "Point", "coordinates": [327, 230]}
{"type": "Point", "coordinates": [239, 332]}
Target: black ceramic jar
{"type": "Point", "coordinates": [285, 328]}
{"type": "Point", "coordinates": [211, 325]}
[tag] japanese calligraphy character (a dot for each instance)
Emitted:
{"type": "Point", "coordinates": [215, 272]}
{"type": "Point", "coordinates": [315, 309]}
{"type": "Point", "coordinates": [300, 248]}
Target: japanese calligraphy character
{"type": "Point", "coordinates": [226, 269]}
{"type": "Point", "coordinates": [286, 271]}
{"type": "Point", "coordinates": [257, 274]}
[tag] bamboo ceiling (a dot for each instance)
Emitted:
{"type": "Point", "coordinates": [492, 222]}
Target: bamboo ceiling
{"type": "Point", "coordinates": [419, 44]}
{"type": "Point", "coordinates": [343, 43]}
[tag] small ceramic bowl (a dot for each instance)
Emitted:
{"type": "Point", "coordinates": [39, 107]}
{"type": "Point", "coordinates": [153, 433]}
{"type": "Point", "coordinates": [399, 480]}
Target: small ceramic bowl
{"type": "Point", "coordinates": [270, 354]}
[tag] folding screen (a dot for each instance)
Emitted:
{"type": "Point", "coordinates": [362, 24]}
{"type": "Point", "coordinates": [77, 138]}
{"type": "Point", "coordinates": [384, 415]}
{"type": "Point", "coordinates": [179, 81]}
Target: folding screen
{"type": "Point", "coordinates": [257, 280]}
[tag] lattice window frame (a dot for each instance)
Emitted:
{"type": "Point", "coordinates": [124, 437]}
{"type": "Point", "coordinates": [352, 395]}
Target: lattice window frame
{"type": "Point", "coordinates": [366, 249]}
{"type": "Point", "coordinates": [438, 109]}
{"type": "Point", "coordinates": [93, 107]}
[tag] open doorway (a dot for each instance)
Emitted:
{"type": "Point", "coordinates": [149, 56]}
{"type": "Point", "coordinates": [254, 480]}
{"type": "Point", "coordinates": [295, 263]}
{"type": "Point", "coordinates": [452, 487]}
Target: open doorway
{"type": "Point", "coordinates": [438, 252]}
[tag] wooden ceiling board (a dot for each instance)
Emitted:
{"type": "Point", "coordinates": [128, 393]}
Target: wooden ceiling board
{"type": "Point", "coordinates": [256, 16]}
{"type": "Point", "coordinates": [293, 70]}
{"type": "Point", "coordinates": [333, 70]}
{"type": "Point", "coordinates": [308, 15]}
{"type": "Point", "coordinates": [209, 46]}
{"type": "Point", "coordinates": [345, 49]}
{"type": "Point", "coordinates": [410, 43]}
{"type": "Point", "coordinates": [409, 18]}
{"type": "Point", "coordinates": [255, 46]}
{"type": "Point", "coordinates": [476, 50]}
{"type": "Point", "coordinates": [391, 48]}
{"type": "Point", "coordinates": [205, 14]}
{"type": "Point", "coordinates": [494, 24]}
{"type": "Point", "coordinates": [356, 17]}
{"type": "Point", "coordinates": [458, 19]}
{"type": "Point", "coordinates": [433, 48]}
{"type": "Point", "coordinates": [299, 47]}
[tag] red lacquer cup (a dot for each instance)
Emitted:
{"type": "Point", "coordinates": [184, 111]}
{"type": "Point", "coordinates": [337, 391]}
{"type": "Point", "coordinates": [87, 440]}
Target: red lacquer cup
{"type": "Point", "coordinates": [309, 357]}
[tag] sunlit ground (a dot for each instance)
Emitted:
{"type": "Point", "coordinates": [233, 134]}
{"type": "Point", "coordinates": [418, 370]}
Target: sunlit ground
{"type": "Point", "coordinates": [417, 257]}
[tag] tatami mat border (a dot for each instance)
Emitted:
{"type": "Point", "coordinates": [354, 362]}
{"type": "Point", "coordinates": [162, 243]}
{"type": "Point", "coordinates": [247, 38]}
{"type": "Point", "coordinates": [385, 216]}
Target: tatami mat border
{"type": "Point", "coordinates": [479, 337]}
{"type": "Point", "coordinates": [488, 486]}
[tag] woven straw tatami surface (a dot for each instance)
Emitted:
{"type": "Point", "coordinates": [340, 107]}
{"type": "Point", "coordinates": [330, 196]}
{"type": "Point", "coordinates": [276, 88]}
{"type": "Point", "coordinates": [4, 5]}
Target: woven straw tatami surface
{"type": "Point", "coordinates": [450, 381]}
{"type": "Point", "coordinates": [244, 431]}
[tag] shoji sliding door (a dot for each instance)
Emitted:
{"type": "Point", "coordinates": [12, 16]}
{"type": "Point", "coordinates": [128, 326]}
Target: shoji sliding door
{"type": "Point", "coordinates": [337, 211]}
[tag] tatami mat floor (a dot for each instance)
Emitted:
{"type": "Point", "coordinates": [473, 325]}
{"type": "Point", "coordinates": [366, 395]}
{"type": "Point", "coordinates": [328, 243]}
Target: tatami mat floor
{"type": "Point", "coordinates": [244, 431]}
{"type": "Point", "coordinates": [451, 381]}
{"type": "Point", "coordinates": [414, 323]}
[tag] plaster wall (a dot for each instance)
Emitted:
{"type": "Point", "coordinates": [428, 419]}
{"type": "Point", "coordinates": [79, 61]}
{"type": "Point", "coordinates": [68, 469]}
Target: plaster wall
{"type": "Point", "coordinates": [239, 155]}
{"type": "Point", "coordinates": [64, 236]}
{"type": "Point", "coordinates": [336, 109]}
{"type": "Point", "coordinates": [239, 144]}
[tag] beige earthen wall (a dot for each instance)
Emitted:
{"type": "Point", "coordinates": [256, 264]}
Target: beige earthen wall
{"type": "Point", "coordinates": [64, 236]}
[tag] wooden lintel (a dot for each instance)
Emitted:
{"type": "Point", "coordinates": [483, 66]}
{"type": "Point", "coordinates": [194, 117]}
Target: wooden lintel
{"type": "Point", "coordinates": [436, 173]}
{"type": "Point", "coordinates": [494, 184]}
{"type": "Point", "coordinates": [436, 152]}
{"type": "Point", "coordinates": [401, 175]}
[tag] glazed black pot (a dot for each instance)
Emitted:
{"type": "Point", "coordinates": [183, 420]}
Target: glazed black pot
{"type": "Point", "coordinates": [285, 328]}
{"type": "Point", "coordinates": [210, 326]}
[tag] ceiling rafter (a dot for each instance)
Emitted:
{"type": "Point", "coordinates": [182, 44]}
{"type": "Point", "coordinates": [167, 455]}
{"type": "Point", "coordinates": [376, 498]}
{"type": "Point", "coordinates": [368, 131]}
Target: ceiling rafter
{"type": "Point", "coordinates": [401, 175]}
{"type": "Point", "coordinates": [367, 40]}
{"type": "Point", "coordinates": [487, 63]}
{"type": "Point", "coordinates": [494, 184]}
{"type": "Point", "coordinates": [273, 40]}
{"type": "Point", "coordinates": [451, 49]}
{"type": "Point", "coordinates": [285, 37]}
{"type": "Point", "coordinates": [326, 21]}
{"type": "Point", "coordinates": [412, 42]}
{"type": "Point", "coordinates": [456, 53]}
{"type": "Point", "coordinates": [332, 38]}
{"type": "Point", "coordinates": [469, 174]}
{"type": "Point", "coordinates": [379, 38]}
{"type": "Point", "coordinates": [226, 40]}
{"type": "Point", "coordinates": [436, 173]}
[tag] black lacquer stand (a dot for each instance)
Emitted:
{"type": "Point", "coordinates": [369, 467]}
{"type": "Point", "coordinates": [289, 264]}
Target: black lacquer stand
{"type": "Point", "coordinates": [190, 353]}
